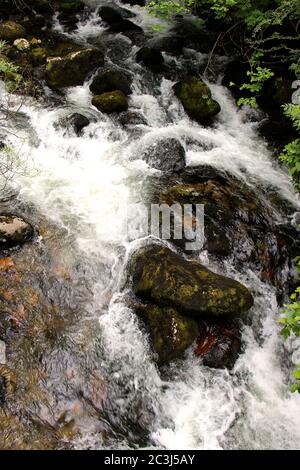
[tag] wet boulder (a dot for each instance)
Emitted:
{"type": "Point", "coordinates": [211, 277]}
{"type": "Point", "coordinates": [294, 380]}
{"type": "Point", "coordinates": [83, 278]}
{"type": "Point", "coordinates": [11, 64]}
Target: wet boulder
{"type": "Point", "coordinates": [110, 80]}
{"type": "Point", "coordinates": [171, 43]}
{"type": "Point", "coordinates": [166, 154]}
{"type": "Point", "coordinates": [14, 231]}
{"type": "Point", "coordinates": [276, 92]}
{"type": "Point", "coordinates": [76, 121]}
{"type": "Point", "coordinates": [195, 97]}
{"type": "Point", "coordinates": [170, 333]}
{"type": "Point", "coordinates": [111, 102]}
{"type": "Point", "coordinates": [9, 31]}
{"type": "Point", "coordinates": [151, 58]}
{"type": "Point", "coordinates": [194, 33]}
{"type": "Point", "coordinates": [125, 26]}
{"type": "Point", "coordinates": [161, 276]}
{"type": "Point", "coordinates": [114, 14]}
{"type": "Point", "coordinates": [72, 69]}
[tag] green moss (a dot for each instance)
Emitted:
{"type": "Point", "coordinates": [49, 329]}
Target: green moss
{"type": "Point", "coordinates": [170, 333]}
{"type": "Point", "coordinates": [165, 278]}
{"type": "Point", "coordinates": [38, 55]}
{"type": "Point", "coordinates": [196, 99]}
{"type": "Point", "coordinates": [111, 102]}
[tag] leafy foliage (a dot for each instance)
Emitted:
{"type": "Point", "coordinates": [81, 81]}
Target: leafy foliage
{"type": "Point", "coordinates": [291, 325]}
{"type": "Point", "coordinates": [291, 153]}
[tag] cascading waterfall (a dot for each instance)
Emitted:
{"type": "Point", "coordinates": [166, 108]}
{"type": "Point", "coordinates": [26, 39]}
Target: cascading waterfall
{"type": "Point", "coordinates": [83, 184]}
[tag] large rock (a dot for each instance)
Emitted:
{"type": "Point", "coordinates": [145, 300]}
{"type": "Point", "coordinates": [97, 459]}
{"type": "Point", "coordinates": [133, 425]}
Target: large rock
{"type": "Point", "coordinates": [240, 221]}
{"type": "Point", "coordinates": [152, 58]}
{"type": "Point", "coordinates": [111, 102]}
{"type": "Point", "coordinates": [114, 14]}
{"type": "Point", "coordinates": [125, 26]}
{"type": "Point", "coordinates": [194, 33]}
{"type": "Point", "coordinates": [110, 80]}
{"type": "Point", "coordinates": [170, 333]}
{"type": "Point", "coordinates": [72, 69]}
{"type": "Point", "coordinates": [161, 276]}
{"type": "Point", "coordinates": [195, 97]}
{"type": "Point", "coordinates": [171, 43]}
{"type": "Point", "coordinates": [14, 231]}
{"type": "Point", "coordinates": [167, 155]}
{"type": "Point", "coordinates": [9, 31]}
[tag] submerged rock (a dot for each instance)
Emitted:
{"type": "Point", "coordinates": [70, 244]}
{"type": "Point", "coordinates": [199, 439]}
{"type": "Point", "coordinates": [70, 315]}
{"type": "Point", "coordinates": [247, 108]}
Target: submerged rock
{"type": "Point", "coordinates": [195, 97]}
{"type": "Point", "coordinates": [9, 30]}
{"type": "Point", "coordinates": [167, 155]}
{"type": "Point", "coordinates": [110, 80]}
{"type": "Point", "coordinates": [74, 121]}
{"type": "Point", "coordinates": [72, 69]}
{"type": "Point", "coordinates": [218, 344]}
{"type": "Point", "coordinates": [132, 118]}
{"type": "Point", "coordinates": [170, 333]}
{"type": "Point", "coordinates": [161, 276]}
{"type": "Point", "coordinates": [111, 102]}
{"type": "Point", "coordinates": [14, 231]}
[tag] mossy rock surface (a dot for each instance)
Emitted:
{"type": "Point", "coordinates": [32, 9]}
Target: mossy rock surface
{"type": "Point", "coordinates": [195, 97]}
{"type": "Point", "coordinates": [111, 102]}
{"type": "Point", "coordinates": [162, 276]}
{"type": "Point", "coordinates": [72, 69]}
{"type": "Point", "coordinates": [10, 30]}
{"type": "Point", "coordinates": [170, 333]}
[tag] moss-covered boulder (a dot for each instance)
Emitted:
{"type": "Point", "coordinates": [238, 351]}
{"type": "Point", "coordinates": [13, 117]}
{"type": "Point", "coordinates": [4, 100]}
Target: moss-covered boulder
{"type": "Point", "coordinates": [111, 102]}
{"type": "Point", "coordinates": [195, 97]}
{"type": "Point", "coordinates": [9, 31]}
{"type": "Point", "coordinates": [110, 80]}
{"type": "Point", "coordinates": [72, 69]}
{"type": "Point", "coordinates": [14, 231]}
{"type": "Point", "coordinates": [161, 276]}
{"type": "Point", "coordinates": [170, 333]}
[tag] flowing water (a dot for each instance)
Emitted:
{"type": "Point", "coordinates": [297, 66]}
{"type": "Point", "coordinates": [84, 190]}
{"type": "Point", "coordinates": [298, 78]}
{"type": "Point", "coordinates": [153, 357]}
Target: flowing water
{"type": "Point", "coordinates": [83, 185]}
